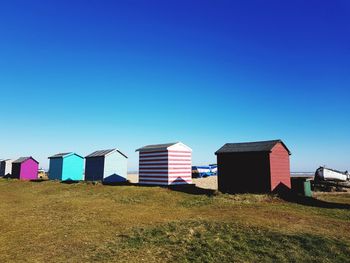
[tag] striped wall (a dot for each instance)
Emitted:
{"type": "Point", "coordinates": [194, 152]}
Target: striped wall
{"type": "Point", "coordinates": [168, 167]}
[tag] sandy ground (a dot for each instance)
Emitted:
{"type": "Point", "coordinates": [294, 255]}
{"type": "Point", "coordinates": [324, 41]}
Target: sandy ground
{"type": "Point", "coordinates": [133, 178]}
{"type": "Point", "coordinates": [206, 183]}
{"type": "Point", "coordinates": [210, 182]}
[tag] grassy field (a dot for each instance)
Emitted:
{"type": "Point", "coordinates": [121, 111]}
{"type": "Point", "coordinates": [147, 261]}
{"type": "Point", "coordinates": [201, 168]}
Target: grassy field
{"type": "Point", "coordinates": [55, 222]}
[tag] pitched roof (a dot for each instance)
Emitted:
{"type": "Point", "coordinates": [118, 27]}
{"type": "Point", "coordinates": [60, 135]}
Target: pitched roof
{"type": "Point", "coordinates": [59, 155]}
{"type": "Point", "coordinates": [102, 153]}
{"type": "Point", "coordinates": [156, 147]}
{"type": "Point", "coordinates": [23, 159]}
{"type": "Point", "coordinates": [262, 146]}
{"type": "Point", "coordinates": [62, 155]}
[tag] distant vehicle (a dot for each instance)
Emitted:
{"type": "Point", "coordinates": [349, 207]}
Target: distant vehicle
{"type": "Point", "coordinates": [204, 170]}
{"type": "Point", "coordinates": [327, 174]}
{"type": "Point", "coordinates": [42, 174]}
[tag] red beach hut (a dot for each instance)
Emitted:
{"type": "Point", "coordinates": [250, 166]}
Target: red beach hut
{"type": "Point", "coordinates": [253, 167]}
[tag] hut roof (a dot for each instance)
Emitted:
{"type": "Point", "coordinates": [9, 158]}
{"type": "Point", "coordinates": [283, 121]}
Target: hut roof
{"type": "Point", "coordinates": [102, 153]}
{"type": "Point", "coordinates": [62, 155]}
{"type": "Point", "coordinates": [161, 147]}
{"type": "Point", "coordinates": [262, 146]}
{"type": "Point", "coordinates": [156, 147]}
{"type": "Point", "coordinates": [23, 159]}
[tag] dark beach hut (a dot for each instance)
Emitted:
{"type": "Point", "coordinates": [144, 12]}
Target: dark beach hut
{"type": "Point", "coordinates": [253, 167]}
{"type": "Point", "coordinates": [109, 166]}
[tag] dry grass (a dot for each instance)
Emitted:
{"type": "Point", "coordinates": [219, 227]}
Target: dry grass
{"type": "Point", "coordinates": [55, 222]}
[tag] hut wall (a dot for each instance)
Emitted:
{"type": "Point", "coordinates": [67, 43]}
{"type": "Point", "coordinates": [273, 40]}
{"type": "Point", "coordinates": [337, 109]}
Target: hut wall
{"type": "Point", "coordinates": [29, 170]}
{"type": "Point", "coordinates": [73, 166]}
{"type": "Point", "coordinates": [280, 167]}
{"type": "Point", "coordinates": [8, 167]}
{"type": "Point", "coordinates": [243, 172]}
{"type": "Point", "coordinates": [55, 172]}
{"type": "Point", "coordinates": [2, 168]}
{"type": "Point", "coordinates": [94, 167]}
{"type": "Point", "coordinates": [115, 168]}
{"type": "Point", "coordinates": [179, 165]}
{"type": "Point", "coordinates": [16, 170]}
{"type": "Point", "coordinates": [153, 167]}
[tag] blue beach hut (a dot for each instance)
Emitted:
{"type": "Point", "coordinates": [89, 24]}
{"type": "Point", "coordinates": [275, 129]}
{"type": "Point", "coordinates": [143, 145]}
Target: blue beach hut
{"type": "Point", "coordinates": [66, 167]}
{"type": "Point", "coordinates": [106, 165]}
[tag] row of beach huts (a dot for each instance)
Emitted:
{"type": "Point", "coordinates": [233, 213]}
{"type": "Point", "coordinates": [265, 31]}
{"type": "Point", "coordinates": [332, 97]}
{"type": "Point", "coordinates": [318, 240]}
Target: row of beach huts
{"type": "Point", "coordinates": [241, 167]}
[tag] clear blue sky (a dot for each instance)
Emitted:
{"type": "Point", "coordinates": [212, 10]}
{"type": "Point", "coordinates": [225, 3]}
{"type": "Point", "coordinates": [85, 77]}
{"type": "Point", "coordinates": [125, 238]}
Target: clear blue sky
{"type": "Point", "coordinates": [87, 75]}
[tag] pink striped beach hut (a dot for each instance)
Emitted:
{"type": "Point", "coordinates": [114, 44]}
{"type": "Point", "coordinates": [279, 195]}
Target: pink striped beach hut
{"type": "Point", "coordinates": [165, 164]}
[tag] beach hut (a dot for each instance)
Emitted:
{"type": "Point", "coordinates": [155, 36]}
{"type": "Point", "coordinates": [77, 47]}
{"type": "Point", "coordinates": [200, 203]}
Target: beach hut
{"type": "Point", "coordinates": [5, 167]}
{"type": "Point", "coordinates": [109, 166]}
{"type": "Point", "coordinates": [165, 164]}
{"type": "Point", "coordinates": [66, 167]}
{"type": "Point", "coordinates": [25, 168]}
{"type": "Point", "coordinates": [257, 167]}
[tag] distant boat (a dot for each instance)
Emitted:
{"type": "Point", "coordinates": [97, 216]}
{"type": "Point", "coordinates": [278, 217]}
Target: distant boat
{"type": "Point", "coordinates": [214, 168]}
{"type": "Point", "coordinates": [204, 170]}
{"type": "Point", "coordinates": [327, 174]}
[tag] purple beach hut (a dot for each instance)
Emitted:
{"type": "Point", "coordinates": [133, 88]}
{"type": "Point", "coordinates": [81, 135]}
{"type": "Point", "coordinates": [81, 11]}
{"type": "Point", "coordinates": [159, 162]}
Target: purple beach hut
{"type": "Point", "coordinates": [25, 168]}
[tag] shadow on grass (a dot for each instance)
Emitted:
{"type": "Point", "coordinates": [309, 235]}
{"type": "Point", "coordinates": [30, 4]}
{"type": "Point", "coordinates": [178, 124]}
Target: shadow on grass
{"type": "Point", "coordinates": [289, 196]}
{"type": "Point", "coordinates": [38, 180]}
{"type": "Point", "coordinates": [184, 188]}
{"type": "Point", "coordinates": [192, 189]}
{"type": "Point", "coordinates": [70, 182]}
{"type": "Point", "coordinates": [125, 183]}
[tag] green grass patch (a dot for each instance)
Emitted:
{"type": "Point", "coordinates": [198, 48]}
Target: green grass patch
{"type": "Point", "coordinates": [82, 222]}
{"type": "Point", "coordinates": [225, 242]}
